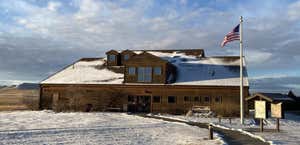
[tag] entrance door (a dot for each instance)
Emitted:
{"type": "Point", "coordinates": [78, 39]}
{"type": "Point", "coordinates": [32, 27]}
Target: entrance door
{"type": "Point", "coordinates": [139, 104]}
{"type": "Point", "coordinates": [143, 104]}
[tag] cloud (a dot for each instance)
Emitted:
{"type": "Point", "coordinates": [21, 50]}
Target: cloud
{"type": "Point", "coordinates": [43, 37]}
{"type": "Point", "coordinates": [280, 83]}
{"type": "Point", "coordinates": [53, 6]}
{"type": "Point", "coordinates": [293, 10]}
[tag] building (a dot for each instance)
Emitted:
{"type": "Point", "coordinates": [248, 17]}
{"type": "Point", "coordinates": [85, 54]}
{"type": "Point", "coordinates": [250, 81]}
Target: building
{"type": "Point", "coordinates": [165, 81]}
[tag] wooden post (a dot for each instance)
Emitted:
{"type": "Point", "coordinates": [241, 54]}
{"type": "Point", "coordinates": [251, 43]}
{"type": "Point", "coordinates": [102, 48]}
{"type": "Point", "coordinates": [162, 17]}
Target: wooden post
{"type": "Point", "coordinates": [210, 129]}
{"type": "Point", "coordinates": [261, 125]}
{"type": "Point", "coordinates": [277, 124]}
{"type": "Point", "coordinates": [229, 120]}
{"type": "Point", "coordinates": [151, 104]}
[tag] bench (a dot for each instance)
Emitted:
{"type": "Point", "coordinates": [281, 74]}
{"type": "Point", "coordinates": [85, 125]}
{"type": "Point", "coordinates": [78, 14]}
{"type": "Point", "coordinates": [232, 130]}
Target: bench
{"type": "Point", "coordinates": [201, 109]}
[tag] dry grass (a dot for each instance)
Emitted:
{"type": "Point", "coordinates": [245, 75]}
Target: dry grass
{"type": "Point", "coordinates": [16, 99]}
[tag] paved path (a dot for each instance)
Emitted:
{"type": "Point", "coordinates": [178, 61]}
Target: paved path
{"type": "Point", "coordinates": [231, 137]}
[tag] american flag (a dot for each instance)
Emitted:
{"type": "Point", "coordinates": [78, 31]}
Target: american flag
{"type": "Point", "coordinates": [231, 36]}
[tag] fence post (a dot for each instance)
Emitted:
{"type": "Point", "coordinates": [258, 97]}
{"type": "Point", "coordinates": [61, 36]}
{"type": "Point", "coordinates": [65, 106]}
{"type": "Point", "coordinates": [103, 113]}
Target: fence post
{"type": "Point", "coordinates": [277, 124]}
{"type": "Point", "coordinates": [210, 129]}
{"type": "Point", "coordinates": [261, 125]}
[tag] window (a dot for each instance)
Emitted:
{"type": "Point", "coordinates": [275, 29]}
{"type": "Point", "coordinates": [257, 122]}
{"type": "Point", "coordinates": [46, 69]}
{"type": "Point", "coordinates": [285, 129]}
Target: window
{"type": "Point", "coordinates": [218, 99]}
{"type": "Point", "coordinates": [131, 70]}
{"type": "Point", "coordinates": [187, 98]}
{"type": "Point", "coordinates": [197, 99]}
{"type": "Point", "coordinates": [156, 99]}
{"type": "Point", "coordinates": [111, 57]}
{"type": "Point", "coordinates": [130, 99]}
{"type": "Point", "coordinates": [206, 99]}
{"type": "Point", "coordinates": [157, 70]}
{"type": "Point", "coordinates": [126, 56]}
{"type": "Point", "coordinates": [171, 99]}
{"type": "Point", "coordinates": [144, 74]}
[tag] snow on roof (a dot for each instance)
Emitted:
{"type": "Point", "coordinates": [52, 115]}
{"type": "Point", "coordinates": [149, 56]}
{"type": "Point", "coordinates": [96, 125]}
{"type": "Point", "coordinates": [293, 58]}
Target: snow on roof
{"type": "Point", "coordinates": [206, 71]}
{"type": "Point", "coordinates": [216, 71]}
{"type": "Point", "coordinates": [85, 72]}
{"type": "Point", "coordinates": [278, 96]}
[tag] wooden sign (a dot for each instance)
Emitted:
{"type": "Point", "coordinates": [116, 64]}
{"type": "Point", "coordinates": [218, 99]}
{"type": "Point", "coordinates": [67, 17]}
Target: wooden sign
{"type": "Point", "coordinates": [276, 110]}
{"type": "Point", "coordinates": [260, 109]}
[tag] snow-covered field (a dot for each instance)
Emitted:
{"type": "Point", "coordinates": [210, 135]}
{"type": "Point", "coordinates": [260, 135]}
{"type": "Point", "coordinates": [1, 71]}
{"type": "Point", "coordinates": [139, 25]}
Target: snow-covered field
{"type": "Point", "coordinates": [47, 127]}
{"type": "Point", "coordinates": [288, 135]}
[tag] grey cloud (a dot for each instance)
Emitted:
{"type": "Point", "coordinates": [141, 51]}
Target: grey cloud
{"type": "Point", "coordinates": [46, 40]}
{"type": "Point", "coordinates": [276, 84]}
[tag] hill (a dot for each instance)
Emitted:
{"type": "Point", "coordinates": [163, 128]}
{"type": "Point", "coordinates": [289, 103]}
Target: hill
{"type": "Point", "coordinates": [28, 86]}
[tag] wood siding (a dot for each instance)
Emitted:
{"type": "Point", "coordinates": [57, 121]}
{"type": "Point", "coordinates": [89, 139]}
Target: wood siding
{"type": "Point", "coordinates": [102, 97]}
{"type": "Point", "coordinates": [117, 58]}
{"type": "Point", "coordinates": [126, 52]}
{"type": "Point", "coordinates": [146, 60]}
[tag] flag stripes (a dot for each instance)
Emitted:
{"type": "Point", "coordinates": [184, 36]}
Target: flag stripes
{"type": "Point", "coordinates": [232, 36]}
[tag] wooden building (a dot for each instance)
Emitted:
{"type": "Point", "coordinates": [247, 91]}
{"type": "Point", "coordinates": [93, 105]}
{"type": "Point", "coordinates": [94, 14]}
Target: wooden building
{"type": "Point", "coordinates": [158, 81]}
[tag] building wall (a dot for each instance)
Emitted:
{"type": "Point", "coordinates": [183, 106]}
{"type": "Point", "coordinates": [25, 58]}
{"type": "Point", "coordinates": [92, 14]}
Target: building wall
{"type": "Point", "coordinates": [126, 52]}
{"type": "Point", "coordinates": [158, 79]}
{"type": "Point", "coordinates": [117, 60]}
{"type": "Point", "coordinates": [103, 97]}
{"type": "Point", "coordinates": [146, 60]}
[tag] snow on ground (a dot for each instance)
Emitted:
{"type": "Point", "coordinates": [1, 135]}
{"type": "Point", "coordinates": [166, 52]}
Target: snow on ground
{"type": "Point", "coordinates": [288, 135]}
{"type": "Point", "coordinates": [47, 127]}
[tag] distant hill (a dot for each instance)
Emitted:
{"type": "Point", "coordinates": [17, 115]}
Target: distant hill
{"type": "Point", "coordinates": [28, 86]}
{"type": "Point", "coordinates": [2, 86]}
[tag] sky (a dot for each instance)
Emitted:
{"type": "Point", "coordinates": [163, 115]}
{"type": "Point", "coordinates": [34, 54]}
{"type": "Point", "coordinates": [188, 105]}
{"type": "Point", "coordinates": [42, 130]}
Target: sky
{"type": "Point", "coordinates": [40, 37]}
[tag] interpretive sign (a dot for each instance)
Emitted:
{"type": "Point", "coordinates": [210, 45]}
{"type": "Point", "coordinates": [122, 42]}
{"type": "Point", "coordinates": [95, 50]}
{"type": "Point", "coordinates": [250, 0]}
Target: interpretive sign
{"type": "Point", "coordinates": [276, 110]}
{"type": "Point", "coordinates": [260, 109]}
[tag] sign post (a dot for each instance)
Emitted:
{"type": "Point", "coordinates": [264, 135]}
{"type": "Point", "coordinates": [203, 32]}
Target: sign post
{"type": "Point", "coordinates": [276, 112]}
{"type": "Point", "coordinates": [260, 112]}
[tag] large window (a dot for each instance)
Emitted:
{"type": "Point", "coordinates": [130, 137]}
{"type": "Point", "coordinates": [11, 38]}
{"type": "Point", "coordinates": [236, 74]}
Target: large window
{"type": "Point", "coordinates": [111, 57]}
{"type": "Point", "coordinates": [144, 74]}
{"type": "Point", "coordinates": [131, 70]}
{"type": "Point", "coordinates": [126, 56]}
{"type": "Point", "coordinates": [171, 99]}
{"type": "Point", "coordinates": [157, 70]}
{"type": "Point", "coordinates": [156, 99]}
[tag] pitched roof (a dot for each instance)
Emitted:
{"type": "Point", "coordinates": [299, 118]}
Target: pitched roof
{"type": "Point", "coordinates": [112, 52]}
{"type": "Point", "coordinates": [216, 71]}
{"type": "Point", "coordinates": [277, 96]}
{"type": "Point", "coordinates": [191, 70]}
{"type": "Point", "coordinates": [271, 97]}
{"type": "Point", "coordinates": [85, 71]}
{"type": "Point", "coordinates": [194, 52]}
{"type": "Point", "coordinates": [140, 56]}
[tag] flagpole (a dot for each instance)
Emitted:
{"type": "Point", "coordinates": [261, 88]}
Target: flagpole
{"type": "Point", "coordinates": [241, 72]}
